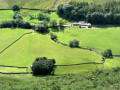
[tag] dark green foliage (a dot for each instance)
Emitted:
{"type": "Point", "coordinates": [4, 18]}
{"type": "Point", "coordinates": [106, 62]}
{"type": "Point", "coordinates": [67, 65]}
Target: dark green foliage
{"type": "Point", "coordinates": [43, 17]}
{"type": "Point", "coordinates": [15, 23]}
{"type": "Point", "coordinates": [98, 80]}
{"type": "Point", "coordinates": [107, 53]}
{"type": "Point", "coordinates": [116, 19]}
{"type": "Point", "coordinates": [6, 24]}
{"type": "Point", "coordinates": [61, 23]}
{"type": "Point", "coordinates": [96, 18]}
{"type": "Point", "coordinates": [96, 13]}
{"type": "Point", "coordinates": [74, 43]}
{"type": "Point", "coordinates": [109, 18]}
{"type": "Point", "coordinates": [41, 28]}
{"type": "Point", "coordinates": [43, 66]}
{"type": "Point", "coordinates": [17, 15]}
{"type": "Point", "coordinates": [16, 8]}
{"type": "Point", "coordinates": [53, 23]}
{"type": "Point", "coordinates": [53, 37]}
{"type": "Point", "coordinates": [32, 16]}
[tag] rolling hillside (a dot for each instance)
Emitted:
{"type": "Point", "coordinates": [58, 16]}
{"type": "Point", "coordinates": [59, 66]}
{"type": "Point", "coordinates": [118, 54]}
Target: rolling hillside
{"type": "Point", "coordinates": [46, 4]}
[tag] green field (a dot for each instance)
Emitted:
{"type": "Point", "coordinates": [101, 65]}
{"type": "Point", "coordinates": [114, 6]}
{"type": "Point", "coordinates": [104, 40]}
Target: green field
{"type": "Point", "coordinates": [100, 38]}
{"type": "Point", "coordinates": [35, 45]}
{"type": "Point", "coordinates": [108, 80]}
{"type": "Point", "coordinates": [44, 4]}
{"type": "Point", "coordinates": [6, 15]}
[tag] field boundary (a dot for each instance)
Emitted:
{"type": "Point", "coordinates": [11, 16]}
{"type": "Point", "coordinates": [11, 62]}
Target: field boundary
{"type": "Point", "coordinates": [12, 66]}
{"type": "Point", "coordinates": [89, 49]}
{"type": "Point", "coordinates": [14, 42]}
{"type": "Point", "coordinates": [80, 64]}
{"type": "Point", "coordinates": [16, 73]}
{"type": "Point", "coordinates": [49, 10]}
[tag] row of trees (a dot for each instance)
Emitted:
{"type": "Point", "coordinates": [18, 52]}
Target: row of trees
{"type": "Point", "coordinates": [107, 12]}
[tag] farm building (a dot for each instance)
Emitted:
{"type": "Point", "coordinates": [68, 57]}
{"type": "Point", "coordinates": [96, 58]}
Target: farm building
{"type": "Point", "coordinates": [82, 24]}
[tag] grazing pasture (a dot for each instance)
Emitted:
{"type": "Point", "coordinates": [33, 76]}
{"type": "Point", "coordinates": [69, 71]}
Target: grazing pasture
{"type": "Point", "coordinates": [6, 15]}
{"type": "Point", "coordinates": [100, 38]}
{"type": "Point", "coordinates": [23, 52]}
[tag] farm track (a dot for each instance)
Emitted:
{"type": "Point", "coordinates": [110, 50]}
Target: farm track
{"type": "Point", "coordinates": [14, 42]}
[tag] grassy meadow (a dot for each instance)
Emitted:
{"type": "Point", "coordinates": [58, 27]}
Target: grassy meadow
{"type": "Point", "coordinates": [6, 15]}
{"type": "Point", "coordinates": [43, 4]}
{"type": "Point", "coordinates": [99, 38]}
{"type": "Point", "coordinates": [37, 45]}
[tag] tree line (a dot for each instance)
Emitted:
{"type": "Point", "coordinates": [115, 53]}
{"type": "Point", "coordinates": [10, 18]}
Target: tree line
{"type": "Point", "coordinates": [100, 12]}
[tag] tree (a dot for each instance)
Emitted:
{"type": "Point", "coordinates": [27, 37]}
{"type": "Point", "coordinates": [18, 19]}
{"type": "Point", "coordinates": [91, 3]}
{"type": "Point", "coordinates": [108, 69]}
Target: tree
{"type": "Point", "coordinates": [43, 66]}
{"type": "Point", "coordinates": [96, 18]}
{"type": "Point", "coordinates": [53, 37]}
{"type": "Point", "coordinates": [53, 23]}
{"type": "Point", "coordinates": [16, 8]}
{"type": "Point", "coordinates": [107, 53]}
{"type": "Point", "coordinates": [109, 17]}
{"type": "Point", "coordinates": [17, 15]}
{"type": "Point", "coordinates": [43, 17]}
{"type": "Point", "coordinates": [41, 28]}
{"type": "Point", "coordinates": [61, 23]}
{"type": "Point", "coordinates": [74, 43]}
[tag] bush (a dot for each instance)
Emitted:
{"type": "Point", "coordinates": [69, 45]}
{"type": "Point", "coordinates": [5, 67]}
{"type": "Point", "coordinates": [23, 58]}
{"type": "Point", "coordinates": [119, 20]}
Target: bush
{"type": "Point", "coordinates": [53, 37]}
{"type": "Point", "coordinates": [96, 18]}
{"type": "Point", "coordinates": [61, 23]}
{"type": "Point", "coordinates": [6, 24]}
{"type": "Point", "coordinates": [15, 23]}
{"type": "Point", "coordinates": [109, 18]}
{"type": "Point", "coordinates": [74, 43]}
{"type": "Point", "coordinates": [116, 19]}
{"type": "Point", "coordinates": [43, 17]}
{"type": "Point", "coordinates": [107, 53]}
{"type": "Point", "coordinates": [53, 23]}
{"type": "Point", "coordinates": [41, 28]}
{"type": "Point", "coordinates": [16, 8]}
{"type": "Point", "coordinates": [17, 15]}
{"type": "Point", "coordinates": [43, 66]}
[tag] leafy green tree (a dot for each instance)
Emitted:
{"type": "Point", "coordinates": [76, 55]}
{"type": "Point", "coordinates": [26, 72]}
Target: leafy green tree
{"type": "Point", "coordinates": [41, 28]}
{"type": "Point", "coordinates": [61, 23]}
{"type": "Point", "coordinates": [107, 53]}
{"type": "Point", "coordinates": [53, 37]}
{"type": "Point", "coordinates": [53, 23]}
{"type": "Point", "coordinates": [109, 18]}
{"type": "Point", "coordinates": [17, 15]}
{"type": "Point", "coordinates": [43, 66]}
{"type": "Point", "coordinates": [43, 17]}
{"type": "Point", "coordinates": [96, 18]}
{"type": "Point", "coordinates": [74, 43]}
{"type": "Point", "coordinates": [16, 8]}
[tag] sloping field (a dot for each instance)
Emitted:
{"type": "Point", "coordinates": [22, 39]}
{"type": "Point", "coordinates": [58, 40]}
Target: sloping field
{"type": "Point", "coordinates": [6, 15]}
{"type": "Point", "coordinates": [100, 38]}
{"type": "Point", "coordinates": [35, 45]}
{"type": "Point", "coordinates": [44, 4]}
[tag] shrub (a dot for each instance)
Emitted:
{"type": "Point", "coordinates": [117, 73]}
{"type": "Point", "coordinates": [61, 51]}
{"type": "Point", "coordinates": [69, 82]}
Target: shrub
{"type": "Point", "coordinates": [107, 53]}
{"type": "Point", "coordinates": [53, 37]}
{"type": "Point", "coordinates": [74, 43]}
{"type": "Point", "coordinates": [96, 18]}
{"type": "Point", "coordinates": [41, 28]}
{"type": "Point", "coordinates": [116, 19]}
{"type": "Point", "coordinates": [17, 15]}
{"type": "Point", "coordinates": [61, 23]}
{"type": "Point", "coordinates": [109, 18]}
{"type": "Point", "coordinates": [15, 23]}
{"type": "Point", "coordinates": [43, 17]}
{"type": "Point", "coordinates": [16, 8]}
{"type": "Point", "coordinates": [43, 66]}
{"type": "Point", "coordinates": [6, 24]}
{"type": "Point", "coordinates": [53, 23]}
